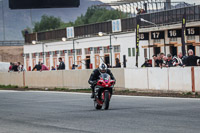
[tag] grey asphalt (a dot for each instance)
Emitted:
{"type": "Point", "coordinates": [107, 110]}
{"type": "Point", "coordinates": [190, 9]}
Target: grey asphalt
{"type": "Point", "coordinates": [54, 112]}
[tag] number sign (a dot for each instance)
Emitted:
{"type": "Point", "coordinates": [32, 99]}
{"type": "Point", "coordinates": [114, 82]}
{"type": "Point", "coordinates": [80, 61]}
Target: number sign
{"type": "Point", "coordinates": [157, 35]}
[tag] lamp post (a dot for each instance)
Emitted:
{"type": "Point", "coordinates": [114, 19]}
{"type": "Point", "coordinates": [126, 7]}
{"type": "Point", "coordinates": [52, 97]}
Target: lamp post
{"type": "Point", "coordinates": [36, 42]}
{"type": "Point", "coordinates": [110, 47]}
{"type": "Point", "coordinates": [64, 39]}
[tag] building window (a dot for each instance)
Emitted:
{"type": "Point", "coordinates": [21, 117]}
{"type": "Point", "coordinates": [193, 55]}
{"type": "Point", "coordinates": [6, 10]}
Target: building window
{"type": "Point", "coordinates": [156, 41]}
{"type": "Point", "coordinates": [62, 53]}
{"type": "Point", "coordinates": [34, 55]}
{"type": "Point", "coordinates": [70, 52]}
{"type": "Point", "coordinates": [106, 49]}
{"type": "Point", "coordinates": [116, 49]}
{"type": "Point", "coordinates": [27, 55]}
{"type": "Point", "coordinates": [79, 52]}
{"type": "Point", "coordinates": [133, 51]}
{"type": "Point", "coordinates": [129, 52]}
{"type": "Point", "coordinates": [87, 51]}
{"type": "Point", "coordinates": [174, 39]}
{"type": "Point", "coordinates": [191, 38]}
{"type": "Point", "coordinates": [96, 51]}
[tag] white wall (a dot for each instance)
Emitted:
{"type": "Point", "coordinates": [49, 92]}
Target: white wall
{"type": "Point", "coordinates": [124, 40]}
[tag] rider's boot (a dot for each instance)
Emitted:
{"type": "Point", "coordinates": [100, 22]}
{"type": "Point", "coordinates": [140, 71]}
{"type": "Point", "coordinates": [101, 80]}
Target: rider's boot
{"type": "Point", "coordinates": [92, 96]}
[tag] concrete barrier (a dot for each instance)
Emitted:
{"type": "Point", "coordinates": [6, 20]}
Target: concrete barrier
{"type": "Point", "coordinates": [180, 79]}
{"type": "Point", "coordinates": [197, 78]}
{"type": "Point", "coordinates": [136, 78]}
{"type": "Point", "coordinates": [49, 79]}
{"type": "Point", "coordinates": [167, 79]}
{"type": "Point", "coordinates": [158, 79]}
{"type": "Point", "coordinates": [11, 78]}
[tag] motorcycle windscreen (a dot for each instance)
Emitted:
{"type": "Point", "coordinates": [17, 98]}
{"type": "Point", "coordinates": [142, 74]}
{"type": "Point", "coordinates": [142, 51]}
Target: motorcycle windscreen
{"type": "Point", "coordinates": [105, 77]}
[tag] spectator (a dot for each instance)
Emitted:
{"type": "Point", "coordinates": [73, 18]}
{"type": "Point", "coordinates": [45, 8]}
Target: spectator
{"type": "Point", "coordinates": [73, 67]}
{"type": "Point", "coordinates": [23, 69]}
{"type": "Point", "coordinates": [37, 67]}
{"type": "Point", "coordinates": [146, 63]}
{"type": "Point", "coordinates": [61, 65]}
{"type": "Point", "coordinates": [158, 61]}
{"type": "Point", "coordinates": [162, 55]}
{"type": "Point", "coordinates": [10, 67]}
{"type": "Point", "coordinates": [169, 62]}
{"type": "Point", "coordinates": [15, 67]}
{"type": "Point", "coordinates": [118, 64]}
{"type": "Point", "coordinates": [178, 61]}
{"type": "Point", "coordinates": [53, 68]}
{"type": "Point", "coordinates": [19, 66]}
{"type": "Point", "coordinates": [191, 59]}
{"type": "Point", "coordinates": [43, 67]}
{"type": "Point", "coordinates": [164, 61]}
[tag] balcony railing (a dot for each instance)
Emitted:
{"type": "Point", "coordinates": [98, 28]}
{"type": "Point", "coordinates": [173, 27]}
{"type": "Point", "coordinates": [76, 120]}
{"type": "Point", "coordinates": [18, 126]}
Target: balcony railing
{"type": "Point", "coordinates": [168, 17]}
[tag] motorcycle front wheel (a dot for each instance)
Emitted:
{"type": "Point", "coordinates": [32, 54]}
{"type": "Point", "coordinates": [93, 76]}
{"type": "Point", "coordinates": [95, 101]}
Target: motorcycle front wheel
{"type": "Point", "coordinates": [106, 100]}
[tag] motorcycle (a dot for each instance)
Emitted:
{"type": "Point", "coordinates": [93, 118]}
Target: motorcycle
{"type": "Point", "coordinates": [103, 91]}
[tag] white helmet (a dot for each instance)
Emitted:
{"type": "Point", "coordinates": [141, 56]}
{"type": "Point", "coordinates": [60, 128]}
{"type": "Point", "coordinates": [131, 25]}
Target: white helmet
{"type": "Point", "coordinates": [103, 67]}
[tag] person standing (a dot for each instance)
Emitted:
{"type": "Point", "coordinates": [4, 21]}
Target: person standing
{"type": "Point", "coordinates": [61, 65]}
{"type": "Point", "coordinates": [178, 61]}
{"type": "Point", "coordinates": [169, 62]}
{"type": "Point", "coordinates": [43, 67]}
{"type": "Point", "coordinates": [37, 67]}
{"type": "Point", "coordinates": [191, 59]}
{"type": "Point", "coordinates": [118, 64]}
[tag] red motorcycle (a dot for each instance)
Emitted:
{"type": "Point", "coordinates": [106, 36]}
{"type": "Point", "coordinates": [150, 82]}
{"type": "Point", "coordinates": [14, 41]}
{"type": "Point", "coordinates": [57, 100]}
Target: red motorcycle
{"type": "Point", "coordinates": [103, 91]}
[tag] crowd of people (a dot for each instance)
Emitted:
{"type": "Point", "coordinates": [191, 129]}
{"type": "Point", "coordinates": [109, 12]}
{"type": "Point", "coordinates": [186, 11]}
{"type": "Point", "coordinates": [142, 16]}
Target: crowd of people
{"type": "Point", "coordinates": [161, 60]}
{"type": "Point", "coordinates": [41, 67]}
{"type": "Point", "coordinates": [16, 67]}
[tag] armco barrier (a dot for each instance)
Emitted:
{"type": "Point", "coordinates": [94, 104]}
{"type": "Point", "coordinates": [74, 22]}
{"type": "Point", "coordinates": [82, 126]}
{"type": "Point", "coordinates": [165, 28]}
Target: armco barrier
{"type": "Point", "coordinates": [167, 79]}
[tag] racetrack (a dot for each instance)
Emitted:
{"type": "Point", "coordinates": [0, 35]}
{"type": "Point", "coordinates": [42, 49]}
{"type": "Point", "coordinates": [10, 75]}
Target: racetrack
{"type": "Point", "coordinates": [58, 112]}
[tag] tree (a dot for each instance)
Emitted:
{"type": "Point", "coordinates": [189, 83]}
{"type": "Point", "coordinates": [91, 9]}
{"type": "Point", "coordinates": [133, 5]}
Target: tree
{"type": "Point", "coordinates": [94, 14]}
{"type": "Point", "coordinates": [47, 23]}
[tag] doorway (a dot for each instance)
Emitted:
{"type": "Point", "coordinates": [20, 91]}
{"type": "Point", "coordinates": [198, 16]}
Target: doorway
{"type": "Point", "coordinates": [107, 60]}
{"type": "Point", "coordinates": [87, 62]}
{"type": "Point", "coordinates": [173, 50]}
{"type": "Point", "coordinates": [156, 50]}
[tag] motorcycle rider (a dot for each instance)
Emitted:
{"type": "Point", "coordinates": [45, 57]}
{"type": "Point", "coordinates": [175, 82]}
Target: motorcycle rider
{"type": "Point", "coordinates": [94, 77]}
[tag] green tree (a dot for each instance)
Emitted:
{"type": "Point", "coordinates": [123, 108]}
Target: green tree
{"type": "Point", "coordinates": [47, 23]}
{"type": "Point", "coordinates": [94, 14]}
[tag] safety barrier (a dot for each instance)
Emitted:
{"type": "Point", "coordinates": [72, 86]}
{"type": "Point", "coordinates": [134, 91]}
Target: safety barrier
{"type": "Point", "coordinates": [165, 79]}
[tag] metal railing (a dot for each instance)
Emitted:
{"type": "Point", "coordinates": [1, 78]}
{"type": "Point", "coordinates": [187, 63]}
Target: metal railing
{"type": "Point", "coordinates": [12, 43]}
{"type": "Point", "coordinates": [167, 17]}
